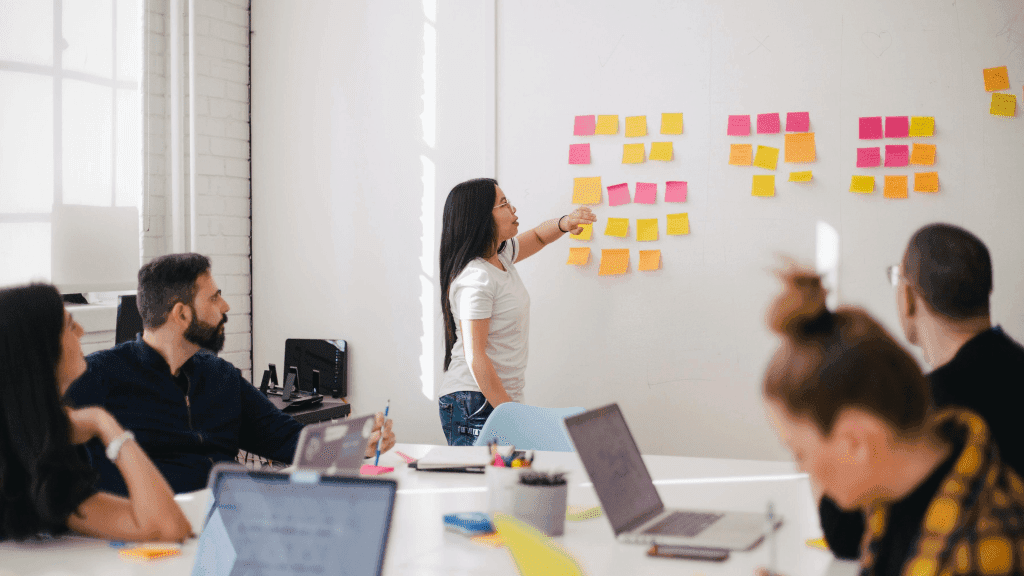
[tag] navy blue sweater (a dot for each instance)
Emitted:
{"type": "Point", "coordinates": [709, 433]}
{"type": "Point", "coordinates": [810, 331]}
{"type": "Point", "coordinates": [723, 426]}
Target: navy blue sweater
{"type": "Point", "coordinates": [185, 429]}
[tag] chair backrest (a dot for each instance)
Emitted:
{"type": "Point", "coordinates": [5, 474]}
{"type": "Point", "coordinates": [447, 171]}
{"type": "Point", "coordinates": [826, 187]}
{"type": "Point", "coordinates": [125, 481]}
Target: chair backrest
{"type": "Point", "coordinates": [528, 427]}
{"type": "Point", "coordinates": [129, 322]}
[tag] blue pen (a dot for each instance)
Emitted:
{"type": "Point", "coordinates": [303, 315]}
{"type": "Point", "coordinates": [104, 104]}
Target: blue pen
{"type": "Point", "coordinates": [381, 439]}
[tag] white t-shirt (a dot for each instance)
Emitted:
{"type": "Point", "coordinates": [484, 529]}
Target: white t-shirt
{"type": "Point", "coordinates": [481, 291]}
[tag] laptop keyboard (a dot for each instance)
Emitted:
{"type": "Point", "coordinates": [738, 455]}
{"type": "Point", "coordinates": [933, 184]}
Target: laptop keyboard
{"type": "Point", "coordinates": [687, 524]}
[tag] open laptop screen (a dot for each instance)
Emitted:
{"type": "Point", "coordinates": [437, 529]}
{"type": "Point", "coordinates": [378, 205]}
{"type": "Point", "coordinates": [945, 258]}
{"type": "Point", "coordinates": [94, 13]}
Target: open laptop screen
{"type": "Point", "coordinates": [272, 523]}
{"type": "Point", "coordinates": [613, 462]}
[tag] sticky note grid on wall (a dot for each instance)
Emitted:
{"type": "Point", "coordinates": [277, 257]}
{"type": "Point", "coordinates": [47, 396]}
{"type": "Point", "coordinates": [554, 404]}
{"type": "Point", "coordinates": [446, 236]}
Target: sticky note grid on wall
{"type": "Point", "coordinates": [797, 147]}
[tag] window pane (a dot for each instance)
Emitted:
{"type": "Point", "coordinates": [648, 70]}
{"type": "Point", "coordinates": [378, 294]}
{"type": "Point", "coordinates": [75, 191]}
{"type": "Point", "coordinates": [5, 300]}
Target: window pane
{"type": "Point", "coordinates": [129, 148]}
{"type": "Point", "coordinates": [129, 39]}
{"type": "Point", "coordinates": [88, 30]}
{"type": "Point", "coordinates": [26, 142]}
{"type": "Point", "coordinates": [26, 31]}
{"type": "Point", "coordinates": [88, 143]}
{"type": "Point", "coordinates": [24, 252]}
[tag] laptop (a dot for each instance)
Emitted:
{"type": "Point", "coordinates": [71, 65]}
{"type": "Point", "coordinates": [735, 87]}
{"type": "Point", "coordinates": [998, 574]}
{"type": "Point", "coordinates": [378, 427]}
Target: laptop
{"type": "Point", "coordinates": [275, 523]}
{"type": "Point", "coordinates": [631, 501]}
{"type": "Point", "coordinates": [334, 447]}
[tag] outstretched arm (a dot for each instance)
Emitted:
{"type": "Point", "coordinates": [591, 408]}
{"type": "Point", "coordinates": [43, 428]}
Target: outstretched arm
{"type": "Point", "coordinates": [531, 241]}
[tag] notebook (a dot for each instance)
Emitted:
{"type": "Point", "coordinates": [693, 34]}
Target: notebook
{"type": "Point", "coordinates": [275, 523]}
{"type": "Point", "coordinates": [454, 459]}
{"type": "Point", "coordinates": [334, 447]}
{"type": "Point", "coordinates": [630, 500]}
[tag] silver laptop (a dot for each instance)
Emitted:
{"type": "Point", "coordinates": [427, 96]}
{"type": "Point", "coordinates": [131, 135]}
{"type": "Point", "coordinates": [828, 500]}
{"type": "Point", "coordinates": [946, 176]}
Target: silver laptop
{"type": "Point", "coordinates": [631, 501]}
{"type": "Point", "coordinates": [276, 523]}
{"type": "Point", "coordinates": [335, 447]}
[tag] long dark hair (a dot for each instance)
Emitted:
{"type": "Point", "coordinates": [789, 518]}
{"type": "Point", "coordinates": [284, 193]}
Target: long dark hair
{"type": "Point", "coordinates": [467, 232]}
{"type": "Point", "coordinates": [42, 477]}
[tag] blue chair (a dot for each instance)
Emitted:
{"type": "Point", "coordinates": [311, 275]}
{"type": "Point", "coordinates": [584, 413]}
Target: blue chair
{"type": "Point", "coordinates": [528, 427]}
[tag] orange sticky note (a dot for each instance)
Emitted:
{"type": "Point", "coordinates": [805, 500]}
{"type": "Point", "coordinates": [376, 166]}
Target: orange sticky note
{"type": "Point", "coordinates": [579, 256]}
{"type": "Point", "coordinates": [923, 154]}
{"type": "Point", "coordinates": [588, 230]}
{"type": "Point", "coordinates": [632, 153]}
{"type": "Point", "coordinates": [646, 229]}
{"type": "Point", "coordinates": [672, 123]}
{"type": "Point", "coordinates": [862, 184]}
{"type": "Point", "coordinates": [741, 154]}
{"type": "Point", "coordinates": [1003, 105]}
{"type": "Point", "coordinates": [148, 552]}
{"type": "Point", "coordinates": [636, 126]}
{"type": "Point", "coordinates": [922, 126]}
{"type": "Point", "coordinates": [895, 187]}
{"type": "Point", "coordinates": [614, 261]}
{"type": "Point", "coordinates": [661, 151]}
{"type": "Point", "coordinates": [800, 176]}
{"type": "Point", "coordinates": [766, 157]}
{"type": "Point", "coordinates": [586, 190]}
{"type": "Point", "coordinates": [607, 124]}
{"type": "Point", "coordinates": [678, 224]}
{"type": "Point", "coordinates": [618, 227]}
{"type": "Point", "coordinates": [764, 185]}
{"type": "Point", "coordinates": [996, 79]}
{"type": "Point", "coordinates": [800, 147]}
{"type": "Point", "coordinates": [371, 470]}
{"type": "Point", "coordinates": [649, 260]}
{"type": "Point", "coordinates": [926, 182]}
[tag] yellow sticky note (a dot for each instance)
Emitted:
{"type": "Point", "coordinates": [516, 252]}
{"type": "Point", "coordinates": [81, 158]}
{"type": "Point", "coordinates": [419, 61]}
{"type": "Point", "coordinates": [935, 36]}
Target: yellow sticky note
{"type": "Point", "coordinates": [895, 187]}
{"type": "Point", "coordinates": [766, 157]}
{"type": "Point", "coordinates": [678, 224]}
{"type": "Point", "coordinates": [818, 543]}
{"type": "Point", "coordinates": [632, 153]}
{"type": "Point", "coordinates": [996, 79]}
{"type": "Point", "coordinates": [588, 230]}
{"type": "Point", "coordinates": [800, 147]}
{"type": "Point", "coordinates": [926, 182]}
{"type": "Point", "coordinates": [607, 124]}
{"type": "Point", "coordinates": [923, 154]}
{"type": "Point", "coordinates": [649, 260]}
{"type": "Point", "coordinates": [922, 126]}
{"type": "Point", "coordinates": [741, 154]}
{"type": "Point", "coordinates": [672, 123]}
{"type": "Point", "coordinates": [646, 229]}
{"type": "Point", "coordinates": [579, 256]}
{"type": "Point", "coordinates": [617, 227]}
{"type": "Point", "coordinates": [661, 150]}
{"type": "Point", "coordinates": [614, 261]}
{"type": "Point", "coordinates": [636, 126]}
{"type": "Point", "coordinates": [800, 176]}
{"type": "Point", "coordinates": [533, 552]}
{"type": "Point", "coordinates": [862, 184]}
{"type": "Point", "coordinates": [764, 185]}
{"type": "Point", "coordinates": [586, 190]}
{"type": "Point", "coordinates": [1003, 105]}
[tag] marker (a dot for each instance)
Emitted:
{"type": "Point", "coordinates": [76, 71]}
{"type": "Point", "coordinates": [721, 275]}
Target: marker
{"type": "Point", "coordinates": [381, 439]}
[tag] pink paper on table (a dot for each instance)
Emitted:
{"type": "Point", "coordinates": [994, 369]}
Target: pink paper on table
{"type": "Point", "coordinates": [739, 125]}
{"type": "Point", "coordinates": [646, 193]}
{"type": "Point", "coordinates": [897, 126]}
{"type": "Point", "coordinates": [371, 470]}
{"type": "Point", "coordinates": [768, 123]}
{"type": "Point", "coordinates": [897, 155]}
{"type": "Point", "coordinates": [584, 126]}
{"type": "Point", "coordinates": [868, 157]}
{"type": "Point", "coordinates": [675, 191]}
{"type": "Point", "coordinates": [798, 122]}
{"type": "Point", "coordinates": [871, 128]}
{"type": "Point", "coordinates": [618, 195]}
{"type": "Point", "coordinates": [579, 153]}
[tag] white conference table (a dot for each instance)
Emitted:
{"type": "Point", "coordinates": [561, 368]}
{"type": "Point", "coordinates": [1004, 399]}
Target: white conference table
{"type": "Point", "coordinates": [419, 544]}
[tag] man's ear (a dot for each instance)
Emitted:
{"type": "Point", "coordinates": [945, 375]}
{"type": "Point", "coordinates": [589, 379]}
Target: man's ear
{"type": "Point", "coordinates": [180, 314]}
{"type": "Point", "coordinates": [909, 299]}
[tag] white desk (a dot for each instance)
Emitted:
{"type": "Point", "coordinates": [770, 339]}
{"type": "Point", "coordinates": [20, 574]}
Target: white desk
{"type": "Point", "coordinates": [419, 544]}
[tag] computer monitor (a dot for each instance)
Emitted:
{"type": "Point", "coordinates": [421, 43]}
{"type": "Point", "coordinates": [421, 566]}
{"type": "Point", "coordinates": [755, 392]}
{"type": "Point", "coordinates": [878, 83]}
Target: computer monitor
{"type": "Point", "coordinates": [326, 356]}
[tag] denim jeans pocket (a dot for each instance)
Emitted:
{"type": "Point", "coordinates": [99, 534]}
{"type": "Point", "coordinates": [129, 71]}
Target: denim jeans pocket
{"type": "Point", "coordinates": [446, 407]}
{"type": "Point", "coordinates": [475, 408]}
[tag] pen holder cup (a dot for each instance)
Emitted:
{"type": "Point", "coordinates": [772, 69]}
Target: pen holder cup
{"type": "Point", "coordinates": [501, 485]}
{"type": "Point", "coordinates": [541, 506]}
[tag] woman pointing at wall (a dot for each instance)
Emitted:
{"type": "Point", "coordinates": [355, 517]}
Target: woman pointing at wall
{"type": "Point", "coordinates": [485, 305]}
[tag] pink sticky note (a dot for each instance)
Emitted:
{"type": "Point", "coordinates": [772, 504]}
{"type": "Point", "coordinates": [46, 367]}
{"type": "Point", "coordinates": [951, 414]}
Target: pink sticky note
{"type": "Point", "coordinates": [768, 123]}
{"type": "Point", "coordinates": [675, 191]}
{"type": "Point", "coordinates": [798, 122]}
{"type": "Point", "coordinates": [579, 153]}
{"type": "Point", "coordinates": [584, 126]}
{"type": "Point", "coordinates": [897, 155]}
{"type": "Point", "coordinates": [868, 157]}
{"type": "Point", "coordinates": [739, 125]}
{"type": "Point", "coordinates": [646, 193]}
{"type": "Point", "coordinates": [408, 459]}
{"type": "Point", "coordinates": [871, 128]}
{"type": "Point", "coordinates": [371, 470]}
{"type": "Point", "coordinates": [618, 195]}
{"type": "Point", "coordinates": [897, 126]}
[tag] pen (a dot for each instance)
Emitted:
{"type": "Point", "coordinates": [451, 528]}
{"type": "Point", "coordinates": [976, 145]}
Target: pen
{"type": "Point", "coordinates": [771, 538]}
{"type": "Point", "coordinates": [381, 439]}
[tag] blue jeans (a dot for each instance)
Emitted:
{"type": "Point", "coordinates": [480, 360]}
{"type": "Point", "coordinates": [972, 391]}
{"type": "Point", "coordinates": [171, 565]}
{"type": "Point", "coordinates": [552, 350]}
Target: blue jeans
{"type": "Point", "coordinates": [462, 416]}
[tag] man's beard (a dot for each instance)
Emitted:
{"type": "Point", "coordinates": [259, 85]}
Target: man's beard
{"type": "Point", "coordinates": [209, 336]}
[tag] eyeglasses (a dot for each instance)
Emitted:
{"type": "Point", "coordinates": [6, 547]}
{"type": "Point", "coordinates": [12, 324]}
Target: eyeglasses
{"type": "Point", "coordinates": [893, 274]}
{"type": "Point", "coordinates": [504, 204]}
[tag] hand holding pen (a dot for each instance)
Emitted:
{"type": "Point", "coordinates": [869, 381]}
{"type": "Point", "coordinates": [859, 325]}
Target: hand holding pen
{"type": "Point", "coordinates": [382, 437]}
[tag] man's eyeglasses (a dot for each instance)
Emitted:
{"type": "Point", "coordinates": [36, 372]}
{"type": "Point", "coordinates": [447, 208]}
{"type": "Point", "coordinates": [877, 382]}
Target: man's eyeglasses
{"type": "Point", "coordinates": [893, 274]}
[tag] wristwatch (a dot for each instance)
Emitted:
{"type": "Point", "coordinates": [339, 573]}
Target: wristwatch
{"type": "Point", "coordinates": [114, 448]}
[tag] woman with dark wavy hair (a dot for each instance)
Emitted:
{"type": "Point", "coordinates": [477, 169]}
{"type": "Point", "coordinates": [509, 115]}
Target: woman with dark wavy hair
{"type": "Point", "coordinates": [46, 483]}
{"type": "Point", "coordinates": [485, 305]}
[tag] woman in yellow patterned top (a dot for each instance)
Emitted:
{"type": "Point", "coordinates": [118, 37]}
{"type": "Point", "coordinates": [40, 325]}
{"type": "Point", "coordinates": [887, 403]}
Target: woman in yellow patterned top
{"type": "Point", "coordinates": [854, 409]}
